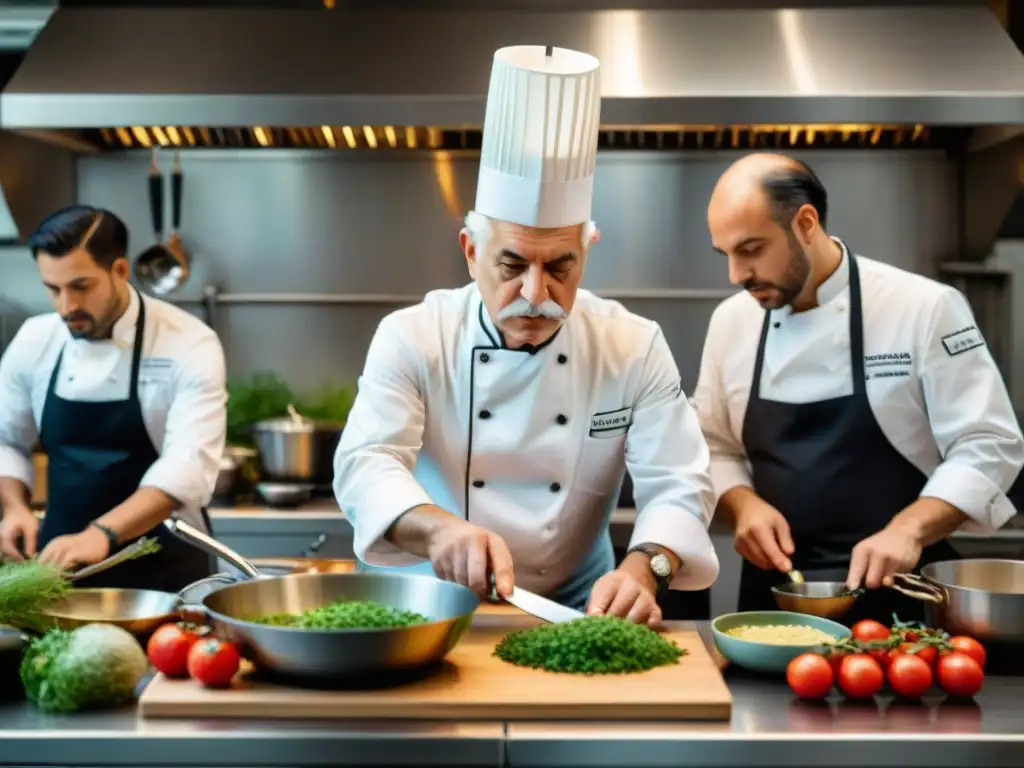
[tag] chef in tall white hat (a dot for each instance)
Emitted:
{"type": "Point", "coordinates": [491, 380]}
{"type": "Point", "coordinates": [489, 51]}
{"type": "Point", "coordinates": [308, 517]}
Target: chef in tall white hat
{"type": "Point", "coordinates": [494, 423]}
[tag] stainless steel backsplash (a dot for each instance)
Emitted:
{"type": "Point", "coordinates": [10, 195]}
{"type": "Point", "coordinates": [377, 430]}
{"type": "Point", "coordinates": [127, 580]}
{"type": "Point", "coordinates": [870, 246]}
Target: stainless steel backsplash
{"type": "Point", "coordinates": [383, 223]}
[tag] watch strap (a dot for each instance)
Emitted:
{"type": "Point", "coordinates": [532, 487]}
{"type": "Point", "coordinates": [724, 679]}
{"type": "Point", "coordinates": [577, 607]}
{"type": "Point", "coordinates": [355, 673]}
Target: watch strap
{"type": "Point", "coordinates": [109, 533]}
{"type": "Point", "coordinates": [652, 552]}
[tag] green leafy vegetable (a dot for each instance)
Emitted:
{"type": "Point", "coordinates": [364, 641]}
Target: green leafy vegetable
{"type": "Point", "coordinates": [591, 645]}
{"type": "Point", "coordinates": [345, 614]}
{"type": "Point", "coordinates": [92, 667]}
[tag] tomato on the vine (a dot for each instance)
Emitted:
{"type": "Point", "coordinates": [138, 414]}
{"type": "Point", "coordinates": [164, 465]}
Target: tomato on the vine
{"type": "Point", "coordinates": [910, 676]}
{"type": "Point", "coordinates": [867, 630]}
{"type": "Point", "coordinates": [969, 647]}
{"type": "Point", "coordinates": [927, 653]}
{"type": "Point", "coordinates": [860, 676]}
{"type": "Point", "coordinates": [810, 676]}
{"type": "Point", "coordinates": [959, 674]}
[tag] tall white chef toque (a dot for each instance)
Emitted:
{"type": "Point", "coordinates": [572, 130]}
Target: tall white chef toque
{"type": "Point", "coordinates": [540, 137]}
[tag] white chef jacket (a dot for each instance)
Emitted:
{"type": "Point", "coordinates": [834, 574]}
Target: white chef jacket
{"type": "Point", "coordinates": [182, 392]}
{"type": "Point", "coordinates": [533, 447]}
{"type": "Point", "coordinates": [931, 381]}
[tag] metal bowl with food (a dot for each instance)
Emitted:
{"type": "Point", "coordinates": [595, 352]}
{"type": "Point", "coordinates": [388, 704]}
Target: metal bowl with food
{"type": "Point", "coordinates": [834, 599]}
{"type": "Point", "coordinates": [238, 612]}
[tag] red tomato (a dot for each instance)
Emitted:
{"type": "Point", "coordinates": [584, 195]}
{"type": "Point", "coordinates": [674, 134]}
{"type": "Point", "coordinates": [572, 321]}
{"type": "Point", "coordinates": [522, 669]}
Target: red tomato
{"type": "Point", "coordinates": [927, 653]}
{"type": "Point", "coordinates": [213, 662]}
{"type": "Point", "coordinates": [867, 630]}
{"type": "Point", "coordinates": [910, 676]}
{"type": "Point", "coordinates": [969, 647]}
{"type": "Point", "coordinates": [835, 658]}
{"type": "Point", "coordinates": [882, 655]}
{"type": "Point", "coordinates": [860, 676]}
{"type": "Point", "coordinates": [959, 674]}
{"type": "Point", "coordinates": [168, 647]}
{"type": "Point", "coordinates": [810, 676]}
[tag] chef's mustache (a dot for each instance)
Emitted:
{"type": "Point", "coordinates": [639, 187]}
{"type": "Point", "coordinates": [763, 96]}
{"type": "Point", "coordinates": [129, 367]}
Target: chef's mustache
{"type": "Point", "coordinates": [78, 317]}
{"type": "Point", "coordinates": [753, 285]}
{"type": "Point", "coordinates": [522, 308]}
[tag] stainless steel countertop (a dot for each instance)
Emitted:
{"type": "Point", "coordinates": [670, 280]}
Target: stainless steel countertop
{"type": "Point", "coordinates": [768, 728]}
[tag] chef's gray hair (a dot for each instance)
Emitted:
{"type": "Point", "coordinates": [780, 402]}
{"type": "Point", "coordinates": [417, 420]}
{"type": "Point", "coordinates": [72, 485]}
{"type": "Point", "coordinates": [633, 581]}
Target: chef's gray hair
{"type": "Point", "coordinates": [478, 228]}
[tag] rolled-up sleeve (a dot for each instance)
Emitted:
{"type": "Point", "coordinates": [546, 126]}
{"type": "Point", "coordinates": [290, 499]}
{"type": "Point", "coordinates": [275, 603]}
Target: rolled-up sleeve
{"type": "Point", "coordinates": [668, 461]}
{"type": "Point", "coordinates": [196, 428]}
{"type": "Point", "coordinates": [373, 479]}
{"type": "Point", "coordinates": [729, 465]}
{"type": "Point", "coordinates": [971, 416]}
{"type": "Point", "coordinates": [18, 433]}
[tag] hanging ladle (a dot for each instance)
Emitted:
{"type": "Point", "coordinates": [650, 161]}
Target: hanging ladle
{"type": "Point", "coordinates": [164, 267]}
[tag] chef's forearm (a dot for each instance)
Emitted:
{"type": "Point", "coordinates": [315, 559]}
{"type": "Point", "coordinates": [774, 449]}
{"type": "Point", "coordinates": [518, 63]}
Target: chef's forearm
{"type": "Point", "coordinates": [929, 520]}
{"type": "Point", "coordinates": [415, 528]}
{"type": "Point", "coordinates": [732, 502]}
{"type": "Point", "coordinates": [139, 513]}
{"type": "Point", "coordinates": [14, 494]}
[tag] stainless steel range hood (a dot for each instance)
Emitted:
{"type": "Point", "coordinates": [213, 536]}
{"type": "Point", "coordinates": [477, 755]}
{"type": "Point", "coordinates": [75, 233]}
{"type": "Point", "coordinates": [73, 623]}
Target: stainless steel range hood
{"type": "Point", "coordinates": [119, 67]}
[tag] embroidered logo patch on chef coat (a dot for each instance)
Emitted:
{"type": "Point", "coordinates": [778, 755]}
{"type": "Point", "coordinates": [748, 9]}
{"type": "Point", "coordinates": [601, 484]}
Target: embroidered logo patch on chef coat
{"type": "Point", "coordinates": [963, 340]}
{"type": "Point", "coordinates": [611, 423]}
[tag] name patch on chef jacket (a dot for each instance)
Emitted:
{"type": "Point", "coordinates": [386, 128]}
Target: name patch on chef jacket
{"type": "Point", "coordinates": [963, 340]}
{"type": "Point", "coordinates": [611, 423]}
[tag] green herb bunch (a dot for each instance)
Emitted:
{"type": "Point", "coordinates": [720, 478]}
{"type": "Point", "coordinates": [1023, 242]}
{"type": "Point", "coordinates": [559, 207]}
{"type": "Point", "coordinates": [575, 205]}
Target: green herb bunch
{"type": "Point", "coordinates": [349, 614]}
{"type": "Point", "coordinates": [591, 645]}
{"type": "Point", "coordinates": [25, 589]}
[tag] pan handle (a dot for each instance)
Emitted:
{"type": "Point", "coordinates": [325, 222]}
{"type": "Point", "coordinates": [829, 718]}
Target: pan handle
{"type": "Point", "coordinates": [917, 588]}
{"type": "Point", "coordinates": [208, 544]}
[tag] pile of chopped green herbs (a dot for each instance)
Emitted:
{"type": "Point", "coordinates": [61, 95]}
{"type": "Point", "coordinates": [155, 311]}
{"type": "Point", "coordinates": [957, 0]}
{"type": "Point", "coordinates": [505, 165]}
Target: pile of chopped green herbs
{"type": "Point", "coordinates": [26, 588]}
{"type": "Point", "coordinates": [345, 614]}
{"type": "Point", "coordinates": [591, 645]}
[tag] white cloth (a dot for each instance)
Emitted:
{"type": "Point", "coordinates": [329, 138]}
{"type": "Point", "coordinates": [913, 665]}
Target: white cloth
{"type": "Point", "coordinates": [539, 143]}
{"type": "Point", "coordinates": [182, 391]}
{"type": "Point", "coordinates": [931, 381]}
{"type": "Point", "coordinates": [442, 406]}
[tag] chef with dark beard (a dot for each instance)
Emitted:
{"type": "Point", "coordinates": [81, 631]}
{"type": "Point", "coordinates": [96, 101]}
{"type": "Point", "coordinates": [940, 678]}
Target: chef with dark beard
{"type": "Point", "coordinates": [854, 413]}
{"type": "Point", "coordinates": [126, 395]}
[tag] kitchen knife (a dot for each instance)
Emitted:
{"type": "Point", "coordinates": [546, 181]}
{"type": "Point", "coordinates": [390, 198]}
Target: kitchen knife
{"type": "Point", "coordinates": [541, 607]}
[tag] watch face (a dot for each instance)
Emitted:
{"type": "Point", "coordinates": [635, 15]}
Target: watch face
{"type": "Point", "coordinates": [661, 566]}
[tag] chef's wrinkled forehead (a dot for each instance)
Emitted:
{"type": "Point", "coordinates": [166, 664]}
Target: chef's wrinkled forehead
{"type": "Point", "coordinates": [482, 231]}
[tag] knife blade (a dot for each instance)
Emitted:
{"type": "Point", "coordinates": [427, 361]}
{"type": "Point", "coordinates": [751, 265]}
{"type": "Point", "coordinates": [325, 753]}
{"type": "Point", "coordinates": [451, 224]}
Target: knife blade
{"type": "Point", "coordinates": [541, 607]}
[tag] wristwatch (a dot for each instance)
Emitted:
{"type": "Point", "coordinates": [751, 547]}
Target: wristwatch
{"type": "Point", "coordinates": [110, 534]}
{"type": "Point", "coordinates": [661, 566]}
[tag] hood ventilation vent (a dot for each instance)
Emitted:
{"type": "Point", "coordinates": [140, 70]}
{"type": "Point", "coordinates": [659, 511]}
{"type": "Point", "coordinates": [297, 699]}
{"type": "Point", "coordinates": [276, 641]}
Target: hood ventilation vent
{"type": "Point", "coordinates": [367, 137]}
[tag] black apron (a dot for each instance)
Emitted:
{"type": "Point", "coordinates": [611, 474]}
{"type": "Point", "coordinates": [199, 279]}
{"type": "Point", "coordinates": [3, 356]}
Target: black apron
{"type": "Point", "coordinates": [832, 473]}
{"type": "Point", "coordinates": [98, 453]}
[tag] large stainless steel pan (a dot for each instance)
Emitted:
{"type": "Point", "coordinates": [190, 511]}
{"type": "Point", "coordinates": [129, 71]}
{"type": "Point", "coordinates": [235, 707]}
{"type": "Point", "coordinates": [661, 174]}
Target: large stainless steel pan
{"type": "Point", "coordinates": [982, 597]}
{"type": "Point", "coordinates": [322, 656]}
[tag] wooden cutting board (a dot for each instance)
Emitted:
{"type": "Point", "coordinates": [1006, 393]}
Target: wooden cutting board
{"type": "Point", "coordinates": [473, 685]}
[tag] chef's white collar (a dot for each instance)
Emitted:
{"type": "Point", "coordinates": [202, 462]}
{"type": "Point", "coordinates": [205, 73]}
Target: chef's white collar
{"type": "Point", "coordinates": [834, 285]}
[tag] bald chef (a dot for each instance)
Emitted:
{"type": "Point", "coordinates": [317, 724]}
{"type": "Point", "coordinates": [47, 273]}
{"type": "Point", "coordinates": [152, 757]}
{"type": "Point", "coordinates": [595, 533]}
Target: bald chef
{"type": "Point", "coordinates": [855, 415]}
{"type": "Point", "coordinates": [126, 396]}
{"type": "Point", "coordinates": [494, 422]}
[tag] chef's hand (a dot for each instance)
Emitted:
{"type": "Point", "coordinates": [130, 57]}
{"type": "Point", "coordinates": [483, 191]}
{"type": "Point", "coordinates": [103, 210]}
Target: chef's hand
{"type": "Point", "coordinates": [468, 554]}
{"type": "Point", "coordinates": [626, 594]}
{"type": "Point", "coordinates": [77, 549]}
{"type": "Point", "coordinates": [18, 523]}
{"type": "Point", "coordinates": [877, 558]}
{"type": "Point", "coordinates": [762, 535]}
